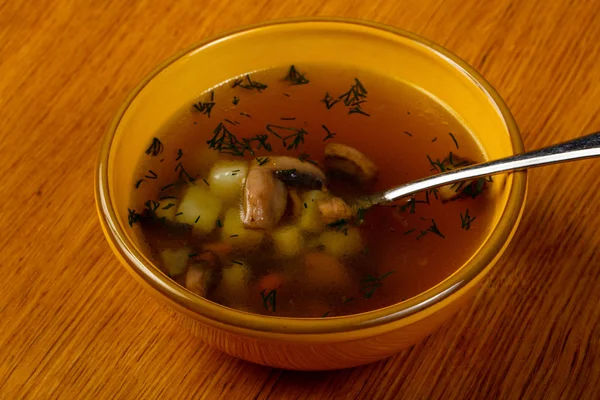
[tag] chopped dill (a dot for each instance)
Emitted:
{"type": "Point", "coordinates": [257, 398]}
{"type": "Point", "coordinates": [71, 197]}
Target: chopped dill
{"type": "Point", "coordinates": [155, 148]}
{"type": "Point", "coordinates": [408, 232]}
{"type": "Point", "coordinates": [197, 219]}
{"type": "Point", "coordinates": [225, 142]}
{"type": "Point", "coordinates": [340, 224]}
{"type": "Point", "coordinates": [408, 133]}
{"type": "Point", "coordinates": [269, 299]}
{"type": "Point", "coordinates": [286, 95]}
{"type": "Point", "coordinates": [355, 97]}
{"type": "Point", "coordinates": [151, 175]}
{"type": "Point", "coordinates": [204, 107]}
{"type": "Point", "coordinates": [246, 114]}
{"type": "Point", "coordinates": [237, 262]}
{"type": "Point", "coordinates": [152, 205]}
{"type": "Point", "coordinates": [205, 181]}
{"type": "Point", "coordinates": [133, 217]}
{"type": "Point", "coordinates": [287, 118]}
{"type": "Point", "coordinates": [371, 283]}
{"type": "Point", "coordinates": [182, 172]}
{"type": "Point", "coordinates": [296, 137]}
{"type": "Point", "coordinates": [192, 255]}
{"type": "Point", "coordinates": [329, 101]}
{"type": "Point", "coordinates": [248, 84]}
{"type": "Point", "coordinates": [348, 300]}
{"type": "Point", "coordinates": [295, 77]}
{"type": "Point", "coordinates": [234, 236]}
{"type": "Point", "coordinates": [262, 142]}
{"type": "Point", "coordinates": [422, 234]}
{"type": "Point", "coordinates": [179, 154]}
{"type": "Point", "coordinates": [235, 100]}
{"type": "Point", "coordinates": [305, 205]}
{"type": "Point", "coordinates": [168, 206]}
{"type": "Point", "coordinates": [231, 122]}
{"type": "Point", "coordinates": [179, 213]}
{"type": "Point", "coordinates": [305, 157]}
{"type": "Point", "coordinates": [326, 314]}
{"type": "Point", "coordinates": [168, 198]}
{"type": "Point", "coordinates": [219, 224]}
{"type": "Point", "coordinates": [453, 139]}
{"type": "Point", "coordinates": [466, 220]}
{"type": "Point", "coordinates": [434, 139]}
{"type": "Point", "coordinates": [330, 135]}
{"type": "Point", "coordinates": [139, 182]}
{"type": "Point", "coordinates": [262, 161]}
{"type": "Point", "coordinates": [167, 187]}
{"type": "Point", "coordinates": [235, 172]}
{"type": "Point", "coordinates": [434, 229]}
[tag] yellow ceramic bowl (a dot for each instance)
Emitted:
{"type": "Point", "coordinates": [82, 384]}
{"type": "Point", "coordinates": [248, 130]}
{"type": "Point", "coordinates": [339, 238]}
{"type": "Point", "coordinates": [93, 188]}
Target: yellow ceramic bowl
{"type": "Point", "coordinates": [308, 343]}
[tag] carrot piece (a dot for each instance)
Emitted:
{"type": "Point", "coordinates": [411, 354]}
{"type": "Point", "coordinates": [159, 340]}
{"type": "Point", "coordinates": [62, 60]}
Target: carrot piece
{"type": "Point", "coordinates": [220, 248]}
{"type": "Point", "coordinates": [271, 281]}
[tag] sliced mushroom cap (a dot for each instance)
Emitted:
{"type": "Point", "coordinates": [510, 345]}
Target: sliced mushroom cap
{"type": "Point", "coordinates": [285, 163]}
{"type": "Point", "coordinates": [349, 161]}
{"type": "Point", "coordinates": [334, 209]}
{"type": "Point", "coordinates": [265, 199]}
{"type": "Point", "coordinates": [293, 177]}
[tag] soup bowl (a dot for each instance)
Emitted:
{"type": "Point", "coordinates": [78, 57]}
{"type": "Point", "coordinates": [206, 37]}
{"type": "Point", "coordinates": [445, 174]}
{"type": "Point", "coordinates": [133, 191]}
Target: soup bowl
{"type": "Point", "coordinates": [309, 343]}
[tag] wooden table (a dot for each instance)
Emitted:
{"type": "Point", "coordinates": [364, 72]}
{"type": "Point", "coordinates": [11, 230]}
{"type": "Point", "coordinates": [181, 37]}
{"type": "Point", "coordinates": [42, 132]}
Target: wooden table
{"type": "Point", "coordinates": [74, 324]}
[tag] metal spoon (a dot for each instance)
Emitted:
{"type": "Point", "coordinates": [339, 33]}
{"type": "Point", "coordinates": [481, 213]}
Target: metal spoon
{"type": "Point", "coordinates": [577, 149]}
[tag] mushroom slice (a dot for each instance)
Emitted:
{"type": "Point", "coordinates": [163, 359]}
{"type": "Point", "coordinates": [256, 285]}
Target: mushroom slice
{"type": "Point", "coordinates": [198, 278]}
{"type": "Point", "coordinates": [293, 177]}
{"type": "Point", "coordinates": [265, 199]}
{"type": "Point", "coordinates": [283, 163]}
{"type": "Point", "coordinates": [349, 161]}
{"type": "Point", "coordinates": [334, 209]}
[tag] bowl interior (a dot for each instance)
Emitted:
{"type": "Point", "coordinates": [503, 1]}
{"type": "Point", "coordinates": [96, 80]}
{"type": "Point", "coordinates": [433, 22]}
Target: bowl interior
{"type": "Point", "coordinates": [378, 49]}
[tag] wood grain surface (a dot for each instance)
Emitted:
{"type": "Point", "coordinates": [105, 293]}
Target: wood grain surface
{"type": "Point", "coordinates": [74, 324]}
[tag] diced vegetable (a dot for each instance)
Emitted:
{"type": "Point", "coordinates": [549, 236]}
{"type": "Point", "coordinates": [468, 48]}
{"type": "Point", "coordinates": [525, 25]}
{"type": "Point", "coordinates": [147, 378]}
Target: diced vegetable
{"type": "Point", "coordinates": [198, 278]}
{"type": "Point", "coordinates": [324, 270]}
{"type": "Point", "coordinates": [295, 203]}
{"type": "Point", "coordinates": [236, 278]}
{"type": "Point", "coordinates": [271, 281]}
{"type": "Point", "coordinates": [166, 209]}
{"type": "Point", "coordinates": [175, 261]}
{"type": "Point", "coordinates": [311, 219]}
{"type": "Point", "coordinates": [349, 161]}
{"type": "Point", "coordinates": [234, 233]}
{"type": "Point", "coordinates": [288, 241]}
{"type": "Point", "coordinates": [219, 248]}
{"type": "Point", "coordinates": [226, 180]}
{"type": "Point", "coordinates": [341, 243]}
{"type": "Point", "coordinates": [199, 208]}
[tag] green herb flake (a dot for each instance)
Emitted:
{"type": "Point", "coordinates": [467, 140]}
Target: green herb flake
{"type": "Point", "coordinates": [269, 299]}
{"type": "Point", "coordinates": [156, 147]}
{"type": "Point", "coordinates": [466, 220]}
{"type": "Point", "coordinates": [453, 139]}
{"type": "Point", "coordinates": [248, 84]}
{"type": "Point", "coordinates": [329, 135]}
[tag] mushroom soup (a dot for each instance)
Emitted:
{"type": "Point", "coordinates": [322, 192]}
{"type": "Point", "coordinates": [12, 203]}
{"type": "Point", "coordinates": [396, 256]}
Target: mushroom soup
{"type": "Point", "coordinates": [243, 197]}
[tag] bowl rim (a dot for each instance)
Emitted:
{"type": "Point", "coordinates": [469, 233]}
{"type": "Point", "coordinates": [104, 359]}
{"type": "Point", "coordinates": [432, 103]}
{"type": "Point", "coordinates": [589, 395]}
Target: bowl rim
{"type": "Point", "coordinates": [227, 317]}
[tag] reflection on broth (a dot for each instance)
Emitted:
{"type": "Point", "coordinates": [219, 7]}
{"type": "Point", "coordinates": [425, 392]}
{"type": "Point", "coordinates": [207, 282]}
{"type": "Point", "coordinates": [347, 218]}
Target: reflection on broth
{"type": "Point", "coordinates": [242, 198]}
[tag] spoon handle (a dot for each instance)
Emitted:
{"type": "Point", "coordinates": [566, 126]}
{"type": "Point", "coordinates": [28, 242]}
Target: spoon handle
{"type": "Point", "coordinates": [576, 149]}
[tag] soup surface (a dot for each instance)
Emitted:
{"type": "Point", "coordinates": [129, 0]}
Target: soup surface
{"type": "Point", "coordinates": [242, 198]}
